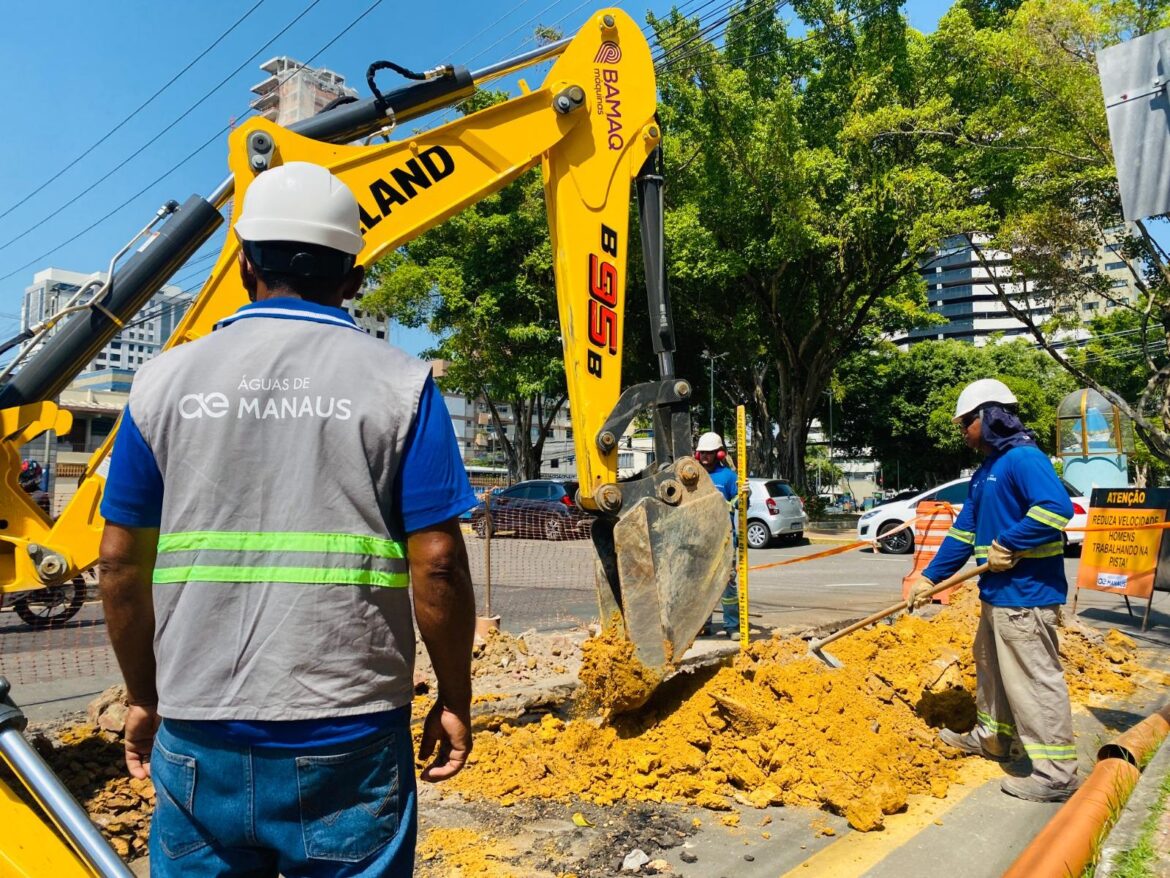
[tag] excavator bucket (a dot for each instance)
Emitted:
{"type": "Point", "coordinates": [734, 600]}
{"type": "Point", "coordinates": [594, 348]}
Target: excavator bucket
{"type": "Point", "coordinates": [664, 561]}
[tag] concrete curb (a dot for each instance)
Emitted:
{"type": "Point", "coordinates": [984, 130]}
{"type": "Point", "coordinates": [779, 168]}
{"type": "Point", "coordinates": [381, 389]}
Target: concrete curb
{"type": "Point", "coordinates": [825, 538]}
{"type": "Point", "coordinates": [1127, 831]}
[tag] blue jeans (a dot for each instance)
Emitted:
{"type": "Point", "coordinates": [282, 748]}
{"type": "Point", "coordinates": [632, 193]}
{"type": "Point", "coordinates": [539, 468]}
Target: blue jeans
{"type": "Point", "coordinates": [344, 811]}
{"type": "Point", "coordinates": [729, 604]}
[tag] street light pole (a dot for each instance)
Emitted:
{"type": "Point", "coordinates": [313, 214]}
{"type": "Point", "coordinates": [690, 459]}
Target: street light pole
{"type": "Point", "coordinates": [830, 427]}
{"type": "Point", "coordinates": [711, 358]}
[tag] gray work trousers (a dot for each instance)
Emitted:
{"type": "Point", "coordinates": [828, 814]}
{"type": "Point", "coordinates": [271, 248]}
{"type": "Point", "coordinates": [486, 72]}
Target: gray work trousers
{"type": "Point", "coordinates": [1021, 690]}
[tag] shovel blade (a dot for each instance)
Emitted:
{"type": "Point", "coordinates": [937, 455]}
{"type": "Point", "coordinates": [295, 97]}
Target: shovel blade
{"type": "Point", "coordinates": [671, 562]}
{"type": "Point", "coordinates": [827, 657]}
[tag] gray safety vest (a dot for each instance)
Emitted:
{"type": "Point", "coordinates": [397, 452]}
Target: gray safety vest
{"type": "Point", "coordinates": [280, 589]}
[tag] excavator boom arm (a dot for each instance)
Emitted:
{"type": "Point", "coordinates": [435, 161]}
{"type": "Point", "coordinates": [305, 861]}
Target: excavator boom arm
{"type": "Point", "coordinates": [592, 127]}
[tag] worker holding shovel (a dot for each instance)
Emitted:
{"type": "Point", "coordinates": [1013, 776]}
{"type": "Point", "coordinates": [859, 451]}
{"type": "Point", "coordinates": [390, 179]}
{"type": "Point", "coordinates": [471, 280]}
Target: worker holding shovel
{"type": "Point", "coordinates": [1013, 519]}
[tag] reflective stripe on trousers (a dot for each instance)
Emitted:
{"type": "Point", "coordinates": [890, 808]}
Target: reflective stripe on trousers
{"type": "Point", "coordinates": [1021, 688]}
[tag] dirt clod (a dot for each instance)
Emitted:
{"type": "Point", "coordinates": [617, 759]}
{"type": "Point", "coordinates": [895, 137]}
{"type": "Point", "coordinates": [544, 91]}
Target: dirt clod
{"type": "Point", "coordinates": [612, 678]}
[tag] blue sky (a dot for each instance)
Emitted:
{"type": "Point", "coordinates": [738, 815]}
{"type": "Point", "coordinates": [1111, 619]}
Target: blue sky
{"type": "Point", "coordinates": [77, 68]}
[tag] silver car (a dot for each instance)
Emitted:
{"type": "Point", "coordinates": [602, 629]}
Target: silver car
{"type": "Point", "coordinates": [774, 511]}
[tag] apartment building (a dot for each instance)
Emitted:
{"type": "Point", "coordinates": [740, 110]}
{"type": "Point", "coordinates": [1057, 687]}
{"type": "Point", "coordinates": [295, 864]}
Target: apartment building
{"type": "Point", "coordinates": [961, 288]}
{"type": "Point", "coordinates": [141, 338]}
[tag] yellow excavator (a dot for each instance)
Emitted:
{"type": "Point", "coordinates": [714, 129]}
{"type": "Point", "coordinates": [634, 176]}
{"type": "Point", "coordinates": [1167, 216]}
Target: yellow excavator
{"type": "Point", "coordinates": [663, 538]}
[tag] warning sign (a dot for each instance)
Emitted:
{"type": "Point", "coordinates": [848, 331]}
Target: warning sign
{"type": "Point", "coordinates": [1121, 552]}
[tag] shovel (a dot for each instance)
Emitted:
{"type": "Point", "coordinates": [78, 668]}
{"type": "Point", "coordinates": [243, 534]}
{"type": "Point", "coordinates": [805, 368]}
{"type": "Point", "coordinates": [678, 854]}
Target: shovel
{"type": "Point", "coordinates": [815, 647]}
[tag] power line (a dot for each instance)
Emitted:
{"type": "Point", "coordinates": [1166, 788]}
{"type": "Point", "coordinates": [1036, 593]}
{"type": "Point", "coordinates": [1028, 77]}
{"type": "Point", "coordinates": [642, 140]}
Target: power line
{"type": "Point", "coordinates": [215, 137]}
{"type": "Point", "coordinates": [133, 113]}
{"type": "Point", "coordinates": [514, 30]}
{"type": "Point", "coordinates": [110, 213]}
{"type": "Point", "coordinates": [148, 143]}
{"type": "Point", "coordinates": [674, 57]}
{"type": "Point", "coordinates": [486, 28]}
{"type": "Point", "coordinates": [448, 113]}
{"type": "Point", "coordinates": [732, 12]}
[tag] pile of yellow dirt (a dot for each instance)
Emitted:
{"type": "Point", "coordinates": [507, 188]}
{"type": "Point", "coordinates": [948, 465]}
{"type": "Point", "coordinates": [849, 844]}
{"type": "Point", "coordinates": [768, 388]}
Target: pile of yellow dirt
{"type": "Point", "coordinates": [461, 853]}
{"type": "Point", "coordinates": [612, 678]}
{"type": "Point", "coordinates": [779, 727]}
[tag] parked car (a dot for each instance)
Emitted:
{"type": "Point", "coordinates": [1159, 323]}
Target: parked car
{"type": "Point", "coordinates": [894, 513]}
{"type": "Point", "coordinates": [775, 511]}
{"type": "Point", "coordinates": [1074, 540]}
{"type": "Point", "coordinates": [539, 508]}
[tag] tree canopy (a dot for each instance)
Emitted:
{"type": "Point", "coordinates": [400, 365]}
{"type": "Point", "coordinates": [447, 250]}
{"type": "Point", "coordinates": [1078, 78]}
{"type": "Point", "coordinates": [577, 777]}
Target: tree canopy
{"type": "Point", "coordinates": [1016, 91]}
{"type": "Point", "coordinates": [898, 405]}
{"type": "Point", "coordinates": [794, 230]}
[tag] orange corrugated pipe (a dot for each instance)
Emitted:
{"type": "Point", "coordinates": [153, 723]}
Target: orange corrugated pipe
{"type": "Point", "coordinates": [1065, 846]}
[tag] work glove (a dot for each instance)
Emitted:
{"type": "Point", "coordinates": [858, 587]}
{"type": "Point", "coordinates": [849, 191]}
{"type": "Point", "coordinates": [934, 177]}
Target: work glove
{"type": "Point", "coordinates": [1000, 559]}
{"type": "Point", "coordinates": [918, 589]}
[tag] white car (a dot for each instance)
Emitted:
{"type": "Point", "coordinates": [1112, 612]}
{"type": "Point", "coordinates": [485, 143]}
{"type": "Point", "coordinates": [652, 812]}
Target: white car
{"type": "Point", "coordinates": [887, 516]}
{"type": "Point", "coordinates": [774, 511]}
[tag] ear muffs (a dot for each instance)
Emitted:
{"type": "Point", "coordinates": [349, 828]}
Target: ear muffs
{"type": "Point", "coordinates": [721, 454]}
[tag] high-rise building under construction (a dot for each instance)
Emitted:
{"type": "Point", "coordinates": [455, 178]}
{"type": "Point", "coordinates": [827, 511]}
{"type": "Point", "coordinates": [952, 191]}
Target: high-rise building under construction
{"type": "Point", "coordinates": [294, 91]}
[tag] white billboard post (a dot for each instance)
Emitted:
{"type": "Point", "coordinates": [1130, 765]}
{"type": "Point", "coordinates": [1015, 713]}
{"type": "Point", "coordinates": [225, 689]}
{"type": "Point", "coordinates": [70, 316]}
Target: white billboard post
{"type": "Point", "coordinates": [1134, 76]}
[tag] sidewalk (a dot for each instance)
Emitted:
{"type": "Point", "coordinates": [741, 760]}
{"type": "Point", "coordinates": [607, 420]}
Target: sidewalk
{"type": "Point", "coordinates": [1139, 843]}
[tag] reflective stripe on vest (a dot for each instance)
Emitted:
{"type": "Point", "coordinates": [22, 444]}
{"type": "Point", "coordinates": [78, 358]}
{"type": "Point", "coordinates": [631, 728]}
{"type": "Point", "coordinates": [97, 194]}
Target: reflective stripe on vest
{"type": "Point", "coordinates": [322, 558]}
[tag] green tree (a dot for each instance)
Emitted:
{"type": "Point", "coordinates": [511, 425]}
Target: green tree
{"type": "Point", "coordinates": [483, 283]}
{"type": "Point", "coordinates": [898, 405]}
{"type": "Point", "coordinates": [1017, 91]}
{"type": "Point", "coordinates": [794, 231]}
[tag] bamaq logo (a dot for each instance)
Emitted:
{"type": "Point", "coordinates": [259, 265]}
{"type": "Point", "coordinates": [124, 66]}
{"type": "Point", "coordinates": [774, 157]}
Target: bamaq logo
{"type": "Point", "coordinates": [609, 53]}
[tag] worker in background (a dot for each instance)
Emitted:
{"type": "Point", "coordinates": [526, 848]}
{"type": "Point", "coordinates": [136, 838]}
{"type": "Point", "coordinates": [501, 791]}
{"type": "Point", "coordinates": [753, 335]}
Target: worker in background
{"type": "Point", "coordinates": [264, 632]}
{"type": "Point", "coordinates": [713, 456]}
{"type": "Point", "coordinates": [1013, 519]}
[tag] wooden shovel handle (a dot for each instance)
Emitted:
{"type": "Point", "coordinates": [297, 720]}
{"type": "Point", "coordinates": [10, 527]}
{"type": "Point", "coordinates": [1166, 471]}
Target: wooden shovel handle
{"type": "Point", "coordinates": [950, 582]}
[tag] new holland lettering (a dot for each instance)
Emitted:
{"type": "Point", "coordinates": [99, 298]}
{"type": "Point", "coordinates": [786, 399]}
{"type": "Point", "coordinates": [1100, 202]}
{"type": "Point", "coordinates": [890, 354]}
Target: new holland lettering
{"type": "Point", "coordinates": [402, 184]}
{"type": "Point", "coordinates": [603, 299]}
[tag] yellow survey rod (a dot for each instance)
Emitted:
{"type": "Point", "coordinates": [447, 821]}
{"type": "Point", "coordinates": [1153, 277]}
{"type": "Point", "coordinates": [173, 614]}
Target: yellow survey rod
{"type": "Point", "coordinates": [741, 561]}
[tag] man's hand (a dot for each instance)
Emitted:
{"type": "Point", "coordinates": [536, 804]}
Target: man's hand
{"type": "Point", "coordinates": [451, 731]}
{"type": "Point", "coordinates": [1000, 559]}
{"type": "Point", "coordinates": [918, 589]}
{"type": "Point", "coordinates": [141, 724]}
{"type": "Point", "coordinates": [444, 608]}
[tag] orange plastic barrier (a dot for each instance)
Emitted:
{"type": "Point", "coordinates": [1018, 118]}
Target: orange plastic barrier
{"type": "Point", "coordinates": [931, 522]}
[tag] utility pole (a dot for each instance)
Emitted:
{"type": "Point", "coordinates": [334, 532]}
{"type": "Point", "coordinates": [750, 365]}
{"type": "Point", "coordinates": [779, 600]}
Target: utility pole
{"type": "Point", "coordinates": [711, 358]}
{"type": "Point", "coordinates": [830, 394]}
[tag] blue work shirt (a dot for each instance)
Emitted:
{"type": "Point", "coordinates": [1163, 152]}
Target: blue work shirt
{"type": "Point", "coordinates": [1017, 500]}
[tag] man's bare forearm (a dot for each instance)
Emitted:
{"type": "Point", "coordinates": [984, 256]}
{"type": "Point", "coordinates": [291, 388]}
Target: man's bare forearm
{"type": "Point", "coordinates": [444, 607]}
{"type": "Point", "coordinates": [126, 569]}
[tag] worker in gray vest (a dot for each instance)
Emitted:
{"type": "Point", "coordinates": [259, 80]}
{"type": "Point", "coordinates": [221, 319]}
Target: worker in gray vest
{"type": "Point", "coordinates": [274, 489]}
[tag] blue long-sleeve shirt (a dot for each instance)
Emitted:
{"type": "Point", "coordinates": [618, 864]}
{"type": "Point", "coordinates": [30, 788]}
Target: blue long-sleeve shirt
{"type": "Point", "coordinates": [1017, 500]}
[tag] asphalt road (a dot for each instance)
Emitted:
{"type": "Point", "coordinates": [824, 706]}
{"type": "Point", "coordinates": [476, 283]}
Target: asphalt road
{"type": "Point", "coordinates": [544, 586]}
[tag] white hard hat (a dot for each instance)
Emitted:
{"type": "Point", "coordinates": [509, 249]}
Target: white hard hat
{"type": "Point", "coordinates": [983, 391]}
{"type": "Point", "coordinates": [303, 203]}
{"type": "Point", "coordinates": [709, 442]}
